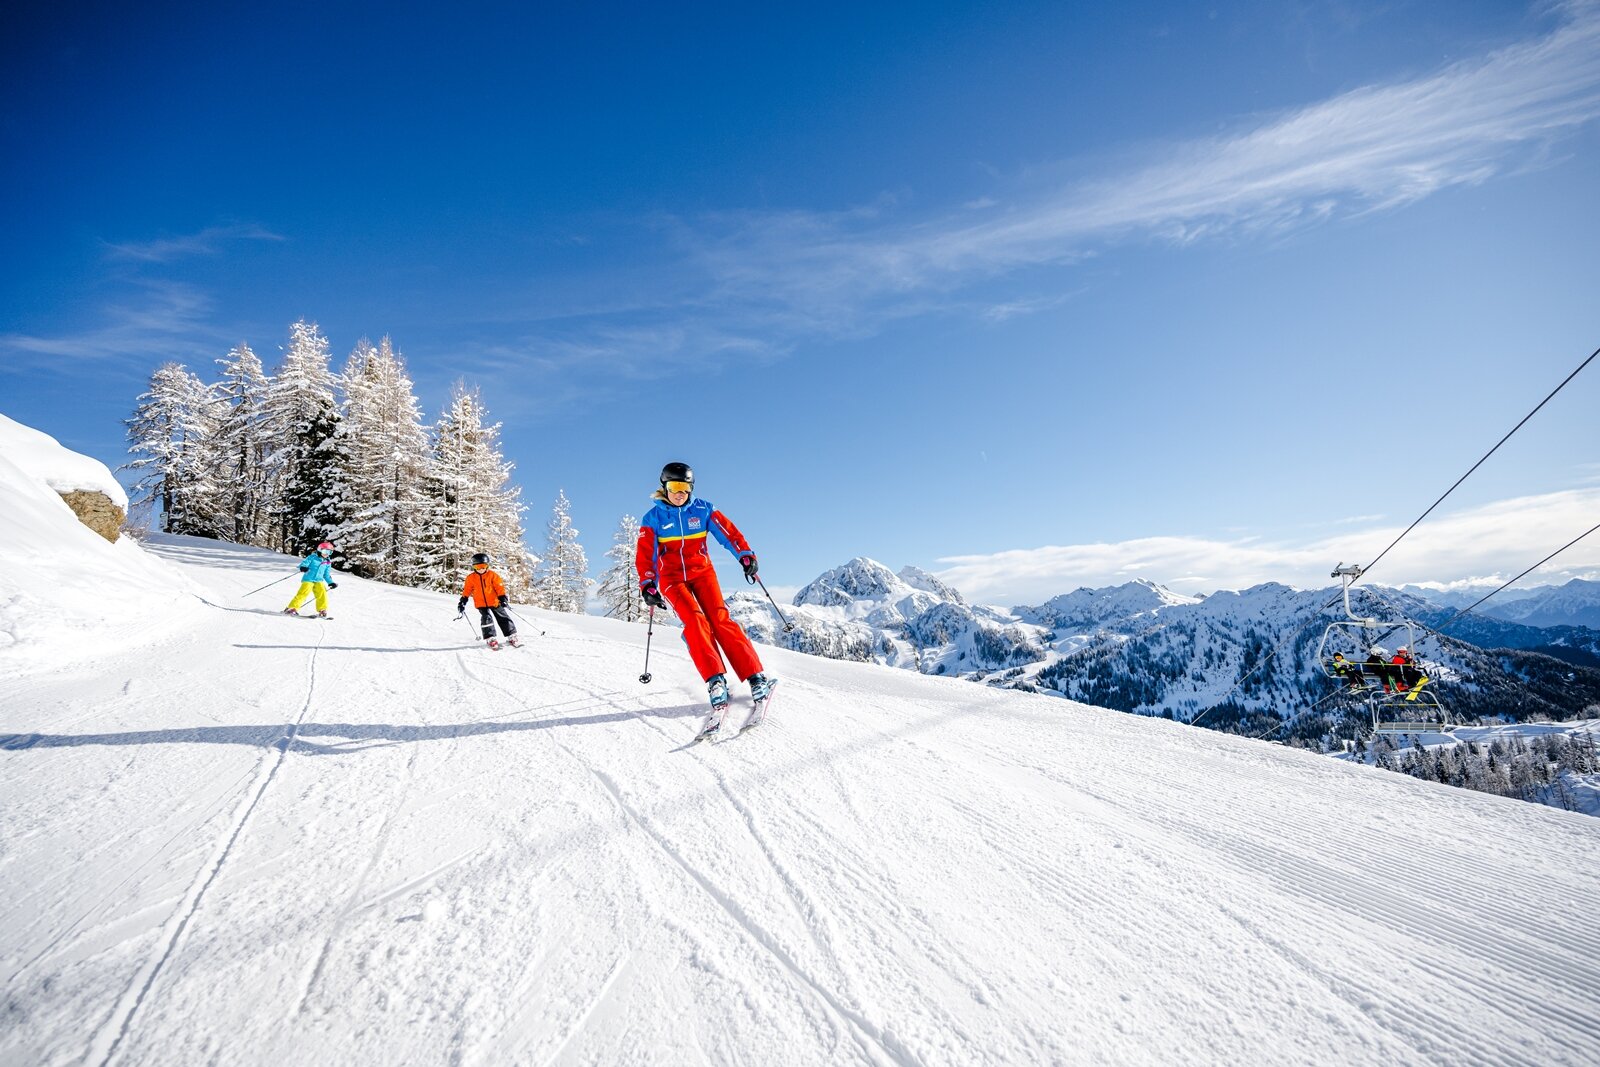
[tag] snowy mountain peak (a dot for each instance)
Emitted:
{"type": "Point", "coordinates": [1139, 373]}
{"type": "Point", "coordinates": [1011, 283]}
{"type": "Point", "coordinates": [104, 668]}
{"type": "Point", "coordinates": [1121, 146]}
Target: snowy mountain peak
{"type": "Point", "coordinates": [917, 578]}
{"type": "Point", "coordinates": [1096, 607]}
{"type": "Point", "coordinates": [860, 579]}
{"type": "Point", "coordinates": [1576, 603]}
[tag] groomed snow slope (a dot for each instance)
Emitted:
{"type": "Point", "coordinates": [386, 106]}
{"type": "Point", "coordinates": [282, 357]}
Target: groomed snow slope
{"type": "Point", "coordinates": [272, 841]}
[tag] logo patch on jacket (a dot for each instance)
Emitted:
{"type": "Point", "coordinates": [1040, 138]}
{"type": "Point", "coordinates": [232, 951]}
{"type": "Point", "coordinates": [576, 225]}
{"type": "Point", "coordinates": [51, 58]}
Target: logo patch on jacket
{"type": "Point", "coordinates": [668, 525]}
{"type": "Point", "coordinates": [693, 522]}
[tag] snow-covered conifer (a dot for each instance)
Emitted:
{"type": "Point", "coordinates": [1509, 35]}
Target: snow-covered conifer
{"type": "Point", "coordinates": [380, 467]}
{"type": "Point", "coordinates": [243, 445]}
{"type": "Point", "coordinates": [301, 418]}
{"type": "Point", "coordinates": [619, 585]}
{"type": "Point", "coordinates": [472, 506]}
{"type": "Point", "coordinates": [562, 583]}
{"type": "Point", "coordinates": [173, 431]}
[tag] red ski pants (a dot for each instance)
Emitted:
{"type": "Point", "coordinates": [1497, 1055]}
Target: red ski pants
{"type": "Point", "coordinates": [706, 625]}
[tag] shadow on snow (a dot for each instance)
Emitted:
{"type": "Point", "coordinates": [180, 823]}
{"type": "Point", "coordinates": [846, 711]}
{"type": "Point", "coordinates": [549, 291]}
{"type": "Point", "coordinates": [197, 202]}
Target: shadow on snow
{"type": "Point", "coordinates": [377, 734]}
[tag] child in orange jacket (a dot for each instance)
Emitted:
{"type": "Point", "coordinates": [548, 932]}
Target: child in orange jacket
{"type": "Point", "coordinates": [487, 591]}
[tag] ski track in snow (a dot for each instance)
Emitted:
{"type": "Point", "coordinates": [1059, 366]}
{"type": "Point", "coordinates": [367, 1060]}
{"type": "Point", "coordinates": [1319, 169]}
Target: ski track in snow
{"type": "Point", "coordinates": [104, 1047]}
{"type": "Point", "coordinates": [457, 855]}
{"type": "Point", "coordinates": [872, 1041]}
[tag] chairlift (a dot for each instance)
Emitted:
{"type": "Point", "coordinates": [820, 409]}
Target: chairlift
{"type": "Point", "coordinates": [1399, 696]}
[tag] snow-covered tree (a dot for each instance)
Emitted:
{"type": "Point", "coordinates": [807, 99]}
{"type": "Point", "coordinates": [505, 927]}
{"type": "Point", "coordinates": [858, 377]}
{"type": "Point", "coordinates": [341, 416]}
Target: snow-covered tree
{"type": "Point", "coordinates": [562, 583]}
{"type": "Point", "coordinates": [301, 419]}
{"type": "Point", "coordinates": [619, 584]}
{"type": "Point", "coordinates": [472, 505]}
{"type": "Point", "coordinates": [243, 446]}
{"type": "Point", "coordinates": [380, 468]}
{"type": "Point", "coordinates": [173, 431]}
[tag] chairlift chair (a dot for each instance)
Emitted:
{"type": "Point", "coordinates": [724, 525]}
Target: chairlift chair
{"type": "Point", "coordinates": [1417, 710]}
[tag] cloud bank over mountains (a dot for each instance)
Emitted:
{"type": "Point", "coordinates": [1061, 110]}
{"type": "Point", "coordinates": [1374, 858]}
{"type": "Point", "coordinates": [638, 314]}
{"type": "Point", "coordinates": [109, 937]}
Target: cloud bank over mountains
{"type": "Point", "coordinates": [1486, 544]}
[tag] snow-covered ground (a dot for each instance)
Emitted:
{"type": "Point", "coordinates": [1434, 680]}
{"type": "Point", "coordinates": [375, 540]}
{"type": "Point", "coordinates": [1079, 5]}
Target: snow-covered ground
{"type": "Point", "coordinates": [65, 592]}
{"type": "Point", "coordinates": [255, 839]}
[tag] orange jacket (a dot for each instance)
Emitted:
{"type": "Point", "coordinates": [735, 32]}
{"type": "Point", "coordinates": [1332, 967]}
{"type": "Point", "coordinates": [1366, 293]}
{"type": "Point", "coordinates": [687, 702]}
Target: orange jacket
{"type": "Point", "coordinates": [486, 589]}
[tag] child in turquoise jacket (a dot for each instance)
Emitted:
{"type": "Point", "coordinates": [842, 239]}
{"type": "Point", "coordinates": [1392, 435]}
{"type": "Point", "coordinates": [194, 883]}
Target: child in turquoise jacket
{"type": "Point", "coordinates": [318, 571]}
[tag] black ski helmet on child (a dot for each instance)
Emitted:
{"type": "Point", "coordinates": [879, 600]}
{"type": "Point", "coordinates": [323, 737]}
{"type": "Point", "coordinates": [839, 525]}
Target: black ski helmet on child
{"type": "Point", "coordinates": [480, 557]}
{"type": "Point", "coordinates": [677, 472]}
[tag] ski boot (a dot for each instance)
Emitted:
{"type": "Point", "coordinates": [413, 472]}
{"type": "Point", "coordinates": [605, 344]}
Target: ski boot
{"type": "Point", "coordinates": [292, 611]}
{"type": "Point", "coordinates": [323, 615]}
{"type": "Point", "coordinates": [761, 686]}
{"type": "Point", "coordinates": [717, 689]}
{"type": "Point", "coordinates": [514, 641]}
{"type": "Point", "coordinates": [492, 643]}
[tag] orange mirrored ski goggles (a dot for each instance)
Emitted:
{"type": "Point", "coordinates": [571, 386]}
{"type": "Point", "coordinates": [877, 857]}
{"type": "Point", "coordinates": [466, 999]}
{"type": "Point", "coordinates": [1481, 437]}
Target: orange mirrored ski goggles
{"type": "Point", "coordinates": [679, 487]}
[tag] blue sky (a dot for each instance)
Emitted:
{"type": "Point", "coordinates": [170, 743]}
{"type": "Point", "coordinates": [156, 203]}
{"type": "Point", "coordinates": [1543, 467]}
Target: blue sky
{"type": "Point", "coordinates": [1031, 295]}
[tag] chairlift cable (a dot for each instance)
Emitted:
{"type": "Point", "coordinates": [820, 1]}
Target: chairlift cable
{"type": "Point", "coordinates": [1269, 658]}
{"type": "Point", "coordinates": [1296, 718]}
{"type": "Point", "coordinates": [1513, 581]}
{"type": "Point", "coordinates": [1480, 462]}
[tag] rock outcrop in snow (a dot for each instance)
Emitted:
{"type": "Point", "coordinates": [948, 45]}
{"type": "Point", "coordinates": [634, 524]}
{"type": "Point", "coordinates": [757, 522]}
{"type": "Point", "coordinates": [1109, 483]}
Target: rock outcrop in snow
{"type": "Point", "coordinates": [85, 484]}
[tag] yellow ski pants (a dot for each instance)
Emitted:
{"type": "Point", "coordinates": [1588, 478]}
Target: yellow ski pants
{"type": "Point", "coordinates": [317, 589]}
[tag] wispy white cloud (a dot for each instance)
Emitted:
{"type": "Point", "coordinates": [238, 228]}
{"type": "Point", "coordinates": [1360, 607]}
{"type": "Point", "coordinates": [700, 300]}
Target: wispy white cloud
{"type": "Point", "coordinates": [1475, 545]}
{"type": "Point", "coordinates": [154, 320]}
{"type": "Point", "coordinates": [207, 242]}
{"type": "Point", "coordinates": [766, 280]}
{"type": "Point", "coordinates": [1372, 149]}
{"type": "Point", "coordinates": [150, 318]}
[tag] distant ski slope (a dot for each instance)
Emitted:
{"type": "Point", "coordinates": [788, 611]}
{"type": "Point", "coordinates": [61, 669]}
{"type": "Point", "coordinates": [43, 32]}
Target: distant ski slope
{"type": "Point", "coordinates": [268, 840]}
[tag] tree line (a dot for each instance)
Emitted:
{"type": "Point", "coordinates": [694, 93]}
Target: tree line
{"type": "Point", "coordinates": [304, 455]}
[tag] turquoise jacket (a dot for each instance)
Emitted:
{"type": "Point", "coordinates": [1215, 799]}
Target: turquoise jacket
{"type": "Point", "coordinates": [316, 568]}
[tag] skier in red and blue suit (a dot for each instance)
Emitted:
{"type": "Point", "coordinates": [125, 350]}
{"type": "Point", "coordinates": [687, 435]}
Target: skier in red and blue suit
{"type": "Point", "coordinates": [674, 566]}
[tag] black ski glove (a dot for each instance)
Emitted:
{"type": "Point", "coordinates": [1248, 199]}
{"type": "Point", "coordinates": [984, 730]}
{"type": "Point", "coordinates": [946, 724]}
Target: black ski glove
{"type": "Point", "coordinates": [304, 567]}
{"type": "Point", "coordinates": [748, 562]}
{"type": "Point", "coordinates": [461, 606]}
{"type": "Point", "coordinates": [652, 594]}
{"type": "Point", "coordinates": [333, 585]}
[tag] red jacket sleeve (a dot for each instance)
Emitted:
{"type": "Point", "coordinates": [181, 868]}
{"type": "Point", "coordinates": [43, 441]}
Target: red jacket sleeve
{"type": "Point", "coordinates": [730, 533]}
{"type": "Point", "coordinates": [644, 559]}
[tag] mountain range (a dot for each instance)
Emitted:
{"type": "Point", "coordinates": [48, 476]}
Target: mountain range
{"type": "Point", "coordinates": [1246, 659]}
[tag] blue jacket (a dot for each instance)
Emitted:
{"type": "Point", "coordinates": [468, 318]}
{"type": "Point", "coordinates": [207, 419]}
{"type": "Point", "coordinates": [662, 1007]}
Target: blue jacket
{"type": "Point", "coordinates": [672, 541]}
{"type": "Point", "coordinates": [316, 568]}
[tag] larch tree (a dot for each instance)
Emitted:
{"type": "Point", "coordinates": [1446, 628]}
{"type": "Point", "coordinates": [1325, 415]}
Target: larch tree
{"type": "Point", "coordinates": [173, 432]}
{"type": "Point", "coordinates": [562, 582]}
{"type": "Point", "coordinates": [381, 468]}
{"type": "Point", "coordinates": [301, 419]}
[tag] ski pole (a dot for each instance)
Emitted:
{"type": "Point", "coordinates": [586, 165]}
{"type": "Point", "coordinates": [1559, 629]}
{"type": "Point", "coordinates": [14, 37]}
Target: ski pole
{"type": "Point", "coordinates": [269, 585]}
{"type": "Point", "coordinates": [788, 627]}
{"type": "Point", "coordinates": [520, 619]}
{"type": "Point", "coordinates": [648, 633]}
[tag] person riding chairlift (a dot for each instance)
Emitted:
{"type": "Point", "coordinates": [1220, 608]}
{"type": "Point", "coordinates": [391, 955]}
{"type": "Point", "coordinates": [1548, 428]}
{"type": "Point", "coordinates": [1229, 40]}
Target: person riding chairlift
{"type": "Point", "coordinates": [1409, 675]}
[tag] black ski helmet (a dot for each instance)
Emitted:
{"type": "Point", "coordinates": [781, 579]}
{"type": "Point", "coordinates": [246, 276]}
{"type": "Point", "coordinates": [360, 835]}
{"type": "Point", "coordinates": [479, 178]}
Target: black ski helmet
{"type": "Point", "coordinates": [479, 557]}
{"type": "Point", "coordinates": [677, 472]}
